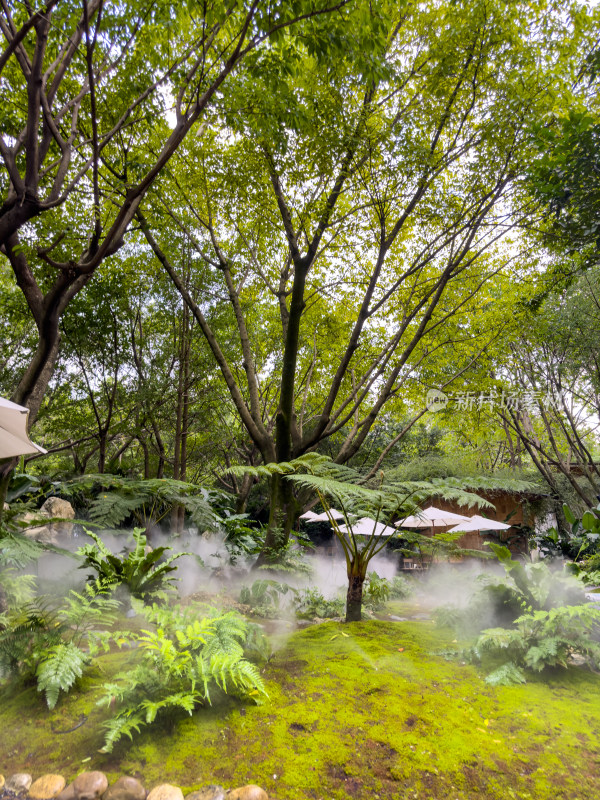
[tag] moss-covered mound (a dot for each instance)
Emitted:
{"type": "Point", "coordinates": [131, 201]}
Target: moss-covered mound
{"type": "Point", "coordinates": [362, 711]}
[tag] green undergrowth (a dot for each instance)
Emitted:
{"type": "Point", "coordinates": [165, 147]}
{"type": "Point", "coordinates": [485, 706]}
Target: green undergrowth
{"type": "Point", "coordinates": [366, 710]}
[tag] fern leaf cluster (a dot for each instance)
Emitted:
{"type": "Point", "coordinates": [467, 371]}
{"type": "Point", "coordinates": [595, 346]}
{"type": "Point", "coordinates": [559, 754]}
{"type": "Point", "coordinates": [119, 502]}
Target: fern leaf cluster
{"type": "Point", "coordinates": [140, 571]}
{"type": "Point", "coordinates": [113, 500]}
{"type": "Point", "coordinates": [184, 660]}
{"type": "Point", "coordinates": [59, 670]}
{"type": "Point", "coordinates": [46, 641]}
{"type": "Point", "coordinates": [542, 640]}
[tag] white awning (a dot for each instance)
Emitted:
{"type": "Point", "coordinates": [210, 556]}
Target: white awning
{"type": "Point", "coordinates": [366, 526]}
{"type": "Point", "coordinates": [14, 440]}
{"type": "Point", "coordinates": [310, 516]}
{"type": "Point", "coordinates": [477, 523]}
{"type": "Point", "coordinates": [432, 517]}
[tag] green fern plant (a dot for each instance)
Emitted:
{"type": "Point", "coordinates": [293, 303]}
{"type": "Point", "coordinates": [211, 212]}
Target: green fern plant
{"type": "Point", "coordinates": [184, 660]}
{"type": "Point", "coordinates": [138, 572]}
{"type": "Point", "coordinates": [311, 604]}
{"type": "Point", "coordinates": [112, 500]}
{"type": "Point", "coordinates": [263, 596]}
{"type": "Point", "coordinates": [61, 666]}
{"type": "Point", "coordinates": [541, 640]}
{"type": "Point", "coordinates": [52, 643]}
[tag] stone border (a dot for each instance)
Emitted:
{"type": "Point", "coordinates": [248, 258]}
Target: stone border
{"type": "Point", "coordinates": [94, 786]}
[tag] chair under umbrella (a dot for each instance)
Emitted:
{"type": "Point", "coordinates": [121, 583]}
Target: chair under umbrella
{"type": "Point", "coordinates": [479, 524]}
{"type": "Point", "coordinates": [14, 440]}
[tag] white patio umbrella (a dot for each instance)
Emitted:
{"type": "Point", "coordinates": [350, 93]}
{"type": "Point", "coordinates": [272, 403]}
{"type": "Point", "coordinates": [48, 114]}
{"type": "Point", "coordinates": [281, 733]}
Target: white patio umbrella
{"type": "Point", "coordinates": [477, 523]}
{"type": "Point", "coordinates": [14, 440]}
{"type": "Point", "coordinates": [430, 517]}
{"type": "Point", "coordinates": [310, 516]}
{"type": "Point", "coordinates": [365, 527]}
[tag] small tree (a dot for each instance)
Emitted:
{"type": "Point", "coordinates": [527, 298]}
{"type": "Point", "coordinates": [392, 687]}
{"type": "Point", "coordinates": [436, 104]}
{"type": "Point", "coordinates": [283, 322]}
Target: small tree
{"type": "Point", "coordinates": [383, 502]}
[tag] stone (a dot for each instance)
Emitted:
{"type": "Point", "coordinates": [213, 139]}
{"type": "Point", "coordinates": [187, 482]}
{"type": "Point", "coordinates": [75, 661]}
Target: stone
{"type": "Point", "coordinates": [51, 533]}
{"type": "Point", "coordinates": [90, 785]}
{"type": "Point", "coordinates": [212, 792]}
{"type": "Point", "coordinates": [57, 507]}
{"type": "Point", "coordinates": [166, 791]}
{"type": "Point", "coordinates": [249, 792]}
{"type": "Point", "coordinates": [66, 794]}
{"type": "Point", "coordinates": [125, 788]}
{"type": "Point", "coordinates": [18, 783]}
{"type": "Point", "coordinates": [47, 787]}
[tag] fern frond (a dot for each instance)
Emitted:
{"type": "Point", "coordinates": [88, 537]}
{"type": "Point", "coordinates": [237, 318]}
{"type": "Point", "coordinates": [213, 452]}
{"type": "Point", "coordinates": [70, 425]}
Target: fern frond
{"type": "Point", "coordinates": [62, 666]}
{"type": "Point", "coordinates": [506, 675]}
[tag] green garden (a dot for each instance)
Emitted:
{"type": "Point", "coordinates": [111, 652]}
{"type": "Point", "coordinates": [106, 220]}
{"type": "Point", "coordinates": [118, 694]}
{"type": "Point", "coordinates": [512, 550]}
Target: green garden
{"type": "Point", "coordinates": [299, 400]}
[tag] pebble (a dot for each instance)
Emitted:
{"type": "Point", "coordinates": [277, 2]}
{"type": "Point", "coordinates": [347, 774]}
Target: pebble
{"type": "Point", "coordinates": [90, 785]}
{"type": "Point", "coordinates": [94, 785]}
{"type": "Point", "coordinates": [47, 787]}
{"type": "Point", "coordinates": [67, 794]}
{"type": "Point", "coordinates": [249, 792]}
{"type": "Point", "coordinates": [18, 783]}
{"type": "Point", "coordinates": [212, 792]}
{"type": "Point", "coordinates": [166, 791]}
{"type": "Point", "coordinates": [125, 788]}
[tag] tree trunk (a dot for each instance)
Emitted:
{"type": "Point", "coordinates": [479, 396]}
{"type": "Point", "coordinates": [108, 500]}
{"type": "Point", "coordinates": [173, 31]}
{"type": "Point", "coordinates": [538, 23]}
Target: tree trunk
{"type": "Point", "coordinates": [354, 598]}
{"type": "Point", "coordinates": [32, 386]}
{"type": "Point", "coordinates": [102, 452]}
{"type": "Point", "coordinates": [282, 513]}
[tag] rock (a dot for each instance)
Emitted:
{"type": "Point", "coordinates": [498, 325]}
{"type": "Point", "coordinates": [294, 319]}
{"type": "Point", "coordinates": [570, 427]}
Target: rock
{"type": "Point", "coordinates": [47, 787]}
{"type": "Point", "coordinates": [18, 783]}
{"type": "Point", "coordinates": [125, 788]}
{"type": "Point", "coordinates": [90, 785]}
{"type": "Point", "coordinates": [57, 507]}
{"type": "Point", "coordinates": [166, 791]}
{"type": "Point", "coordinates": [66, 794]}
{"type": "Point", "coordinates": [212, 792]}
{"type": "Point", "coordinates": [249, 792]}
{"type": "Point", "coordinates": [51, 533]}
{"type": "Point", "coordinates": [41, 533]}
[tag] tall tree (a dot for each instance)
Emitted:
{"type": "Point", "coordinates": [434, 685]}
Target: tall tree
{"type": "Point", "coordinates": [351, 219]}
{"type": "Point", "coordinates": [96, 98]}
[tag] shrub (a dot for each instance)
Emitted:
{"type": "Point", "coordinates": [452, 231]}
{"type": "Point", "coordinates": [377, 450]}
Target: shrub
{"type": "Point", "coordinates": [541, 640]}
{"type": "Point", "coordinates": [138, 571]}
{"type": "Point", "coordinates": [46, 643]}
{"type": "Point", "coordinates": [263, 597]}
{"type": "Point", "coordinates": [376, 591]}
{"type": "Point", "coordinates": [183, 662]}
{"type": "Point", "coordinates": [311, 604]}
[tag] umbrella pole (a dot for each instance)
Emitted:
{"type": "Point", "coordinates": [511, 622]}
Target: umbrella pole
{"type": "Point", "coordinates": [6, 467]}
{"type": "Point", "coordinates": [4, 479]}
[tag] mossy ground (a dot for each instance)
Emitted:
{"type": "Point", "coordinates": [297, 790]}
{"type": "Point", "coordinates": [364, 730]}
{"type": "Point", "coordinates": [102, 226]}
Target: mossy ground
{"type": "Point", "coordinates": [365, 710]}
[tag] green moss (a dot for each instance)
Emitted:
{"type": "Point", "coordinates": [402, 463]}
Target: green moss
{"type": "Point", "coordinates": [362, 710]}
